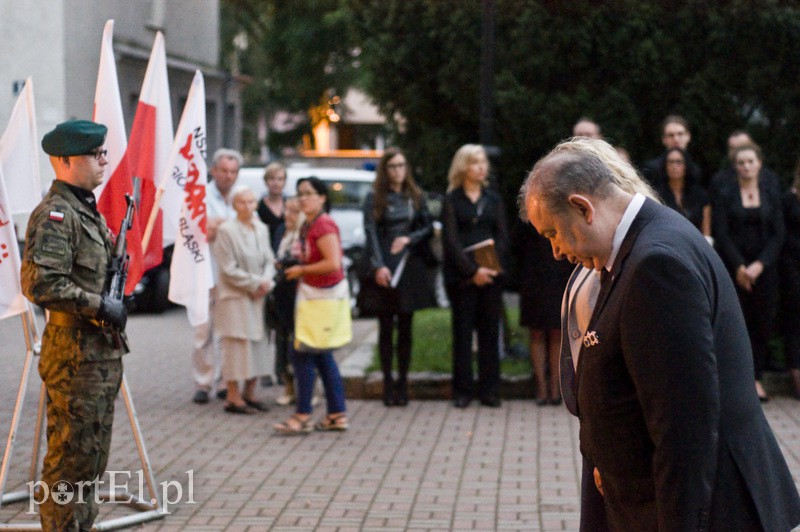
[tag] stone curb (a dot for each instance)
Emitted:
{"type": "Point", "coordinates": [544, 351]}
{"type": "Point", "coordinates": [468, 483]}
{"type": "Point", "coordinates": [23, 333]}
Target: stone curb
{"type": "Point", "coordinates": [358, 384]}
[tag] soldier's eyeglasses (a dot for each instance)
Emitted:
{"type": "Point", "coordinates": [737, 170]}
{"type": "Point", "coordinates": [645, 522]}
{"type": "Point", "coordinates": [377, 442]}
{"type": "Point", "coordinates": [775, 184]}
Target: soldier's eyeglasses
{"type": "Point", "coordinates": [97, 154]}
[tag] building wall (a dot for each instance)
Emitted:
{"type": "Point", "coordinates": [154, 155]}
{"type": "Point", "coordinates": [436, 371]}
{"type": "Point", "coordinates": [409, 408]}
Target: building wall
{"type": "Point", "coordinates": [57, 42]}
{"type": "Point", "coordinates": [33, 46]}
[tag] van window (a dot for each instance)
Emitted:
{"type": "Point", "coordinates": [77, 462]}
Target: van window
{"type": "Point", "coordinates": [348, 194]}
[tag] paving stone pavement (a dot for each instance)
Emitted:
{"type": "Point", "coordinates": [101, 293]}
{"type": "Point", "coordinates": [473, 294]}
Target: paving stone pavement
{"type": "Point", "coordinates": [428, 466]}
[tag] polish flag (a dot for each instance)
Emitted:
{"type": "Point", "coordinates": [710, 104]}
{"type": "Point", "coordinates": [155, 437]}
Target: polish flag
{"type": "Point", "coordinates": [19, 154]}
{"type": "Point", "coordinates": [184, 205]}
{"type": "Point", "coordinates": [12, 302]}
{"type": "Point", "coordinates": [118, 179]}
{"type": "Point", "coordinates": [148, 149]}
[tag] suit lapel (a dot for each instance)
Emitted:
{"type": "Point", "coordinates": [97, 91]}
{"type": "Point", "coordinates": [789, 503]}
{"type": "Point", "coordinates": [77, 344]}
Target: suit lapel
{"type": "Point", "coordinates": [642, 218]}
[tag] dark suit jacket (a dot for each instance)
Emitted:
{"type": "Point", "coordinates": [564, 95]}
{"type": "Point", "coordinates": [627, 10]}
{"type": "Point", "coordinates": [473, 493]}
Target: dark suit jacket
{"type": "Point", "coordinates": [665, 392]}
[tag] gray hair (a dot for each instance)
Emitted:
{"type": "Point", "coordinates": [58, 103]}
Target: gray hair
{"type": "Point", "coordinates": [580, 165]}
{"type": "Point", "coordinates": [227, 153]}
{"type": "Point", "coordinates": [239, 189]}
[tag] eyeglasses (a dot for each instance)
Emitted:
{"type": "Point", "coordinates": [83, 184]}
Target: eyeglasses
{"type": "Point", "coordinates": [97, 154]}
{"type": "Point", "coordinates": [676, 161]}
{"type": "Point", "coordinates": [395, 165]}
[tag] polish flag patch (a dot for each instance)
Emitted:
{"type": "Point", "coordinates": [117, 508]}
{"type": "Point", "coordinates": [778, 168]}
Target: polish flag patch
{"type": "Point", "coordinates": [57, 216]}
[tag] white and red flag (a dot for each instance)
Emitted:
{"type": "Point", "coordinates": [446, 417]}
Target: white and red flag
{"type": "Point", "coordinates": [118, 179]}
{"type": "Point", "coordinates": [12, 302]}
{"type": "Point", "coordinates": [149, 145]}
{"type": "Point", "coordinates": [184, 206]}
{"type": "Point", "coordinates": [19, 154]}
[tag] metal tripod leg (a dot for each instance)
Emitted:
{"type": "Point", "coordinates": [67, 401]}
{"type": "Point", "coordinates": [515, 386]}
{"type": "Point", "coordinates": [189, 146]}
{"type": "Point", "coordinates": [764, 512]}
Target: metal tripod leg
{"type": "Point", "coordinates": [30, 333]}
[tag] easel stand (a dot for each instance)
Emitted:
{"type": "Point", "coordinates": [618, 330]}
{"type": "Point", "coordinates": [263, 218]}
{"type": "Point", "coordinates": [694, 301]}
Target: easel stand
{"type": "Point", "coordinates": [146, 510]}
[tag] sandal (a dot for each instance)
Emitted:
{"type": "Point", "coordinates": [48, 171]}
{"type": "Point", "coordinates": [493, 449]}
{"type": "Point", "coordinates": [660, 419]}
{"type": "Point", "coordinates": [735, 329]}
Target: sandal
{"type": "Point", "coordinates": [293, 426]}
{"type": "Point", "coordinates": [336, 422]}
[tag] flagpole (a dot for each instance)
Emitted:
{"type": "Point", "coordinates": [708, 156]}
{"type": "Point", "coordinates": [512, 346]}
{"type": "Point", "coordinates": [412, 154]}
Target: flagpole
{"type": "Point", "coordinates": [151, 222]}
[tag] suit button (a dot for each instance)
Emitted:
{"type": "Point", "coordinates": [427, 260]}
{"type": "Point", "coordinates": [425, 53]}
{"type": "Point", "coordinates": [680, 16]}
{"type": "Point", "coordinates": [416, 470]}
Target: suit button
{"type": "Point", "coordinates": [575, 334]}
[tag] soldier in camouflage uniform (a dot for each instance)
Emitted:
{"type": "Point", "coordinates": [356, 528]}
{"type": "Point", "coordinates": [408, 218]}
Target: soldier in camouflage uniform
{"type": "Point", "coordinates": [67, 250]}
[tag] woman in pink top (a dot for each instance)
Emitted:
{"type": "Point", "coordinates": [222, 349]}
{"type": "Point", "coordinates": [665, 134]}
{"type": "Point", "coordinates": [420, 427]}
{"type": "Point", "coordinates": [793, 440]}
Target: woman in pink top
{"type": "Point", "coordinates": [321, 255]}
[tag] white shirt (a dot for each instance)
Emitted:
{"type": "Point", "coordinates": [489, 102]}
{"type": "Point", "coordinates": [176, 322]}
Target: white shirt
{"type": "Point", "coordinates": [217, 207]}
{"type": "Point", "coordinates": [586, 287]}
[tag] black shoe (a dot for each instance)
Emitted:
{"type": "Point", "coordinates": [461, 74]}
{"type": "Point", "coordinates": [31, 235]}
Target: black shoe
{"type": "Point", "coordinates": [266, 381]}
{"type": "Point", "coordinates": [462, 402]}
{"type": "Point", "coordinates": [200, 397]}
{"type": "Point", "coordinates": [401, 393]}
{"type": "Point", "coordinates": [257, 405]}
{"type": "Point", "coordinates": [236, 409]}
{"type": "Point", "coordinates": [388, 394]}
{"type": "Point", "coordinates": [492, 402]}
{"type": "Point", "coordinates": [541, 402]}
{"type": "Point", "coordinates": [555, 402]}
{"type": "Point", "coordinates": [222, 394]}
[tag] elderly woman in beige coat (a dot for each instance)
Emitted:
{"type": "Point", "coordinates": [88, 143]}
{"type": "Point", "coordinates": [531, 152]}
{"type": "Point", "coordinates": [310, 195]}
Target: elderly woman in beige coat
{"type": "Point", "coordinates": [246, 267]}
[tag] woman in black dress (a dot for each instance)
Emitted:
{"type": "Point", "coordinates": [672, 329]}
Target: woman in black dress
{"type": "Point", "coordinates": [399, 281]}
{"type": "Point", "coordinates": [271, 211]}
{"type": "Point", "coordinates": [749, 232]}
{"type": "Point", "coordinates": [473, 213]}
{"type": "Point", "coordinates": [790, 274]}
{"type": "Point", "coordinates": [541, 289]}
{"type": "Point", "coordinates": [681, 190]}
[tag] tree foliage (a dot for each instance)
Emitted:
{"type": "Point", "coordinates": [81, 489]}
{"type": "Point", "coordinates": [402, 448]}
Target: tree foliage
{"type": "Point", "coordinates": [296, 52]}
{"type": "Point", "coordinates": [627, 64]}
{"type": "Point", "coordinates": [723, 65]}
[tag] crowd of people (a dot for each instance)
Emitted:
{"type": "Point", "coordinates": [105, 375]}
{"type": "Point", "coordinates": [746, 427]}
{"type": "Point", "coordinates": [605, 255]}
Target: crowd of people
{"type": "Point", "coordinates": [741, 211]}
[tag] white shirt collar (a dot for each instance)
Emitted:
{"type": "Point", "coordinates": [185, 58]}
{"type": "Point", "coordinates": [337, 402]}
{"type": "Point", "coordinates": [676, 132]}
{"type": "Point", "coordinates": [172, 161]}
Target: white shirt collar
{"type": "Point", "coordinates": [624, 225]}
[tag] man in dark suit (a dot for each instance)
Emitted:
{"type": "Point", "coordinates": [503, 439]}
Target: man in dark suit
{"type": "Point", "coordinates": [668, 411]}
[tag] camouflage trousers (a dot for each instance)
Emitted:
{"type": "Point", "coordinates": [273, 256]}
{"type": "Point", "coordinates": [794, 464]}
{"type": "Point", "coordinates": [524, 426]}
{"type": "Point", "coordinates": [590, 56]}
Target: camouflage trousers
{"type": "Point", "coordinates": [80, 413]}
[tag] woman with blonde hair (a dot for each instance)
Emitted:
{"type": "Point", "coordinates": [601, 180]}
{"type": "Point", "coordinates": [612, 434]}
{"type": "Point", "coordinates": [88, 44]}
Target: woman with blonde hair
{"type": "Point", "coordinates": [473, 213]}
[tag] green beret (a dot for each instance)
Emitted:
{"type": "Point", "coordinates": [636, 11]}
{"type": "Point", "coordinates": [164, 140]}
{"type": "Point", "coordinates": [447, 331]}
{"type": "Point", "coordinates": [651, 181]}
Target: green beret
{"type": "Point", "coordinates": [74, 137]}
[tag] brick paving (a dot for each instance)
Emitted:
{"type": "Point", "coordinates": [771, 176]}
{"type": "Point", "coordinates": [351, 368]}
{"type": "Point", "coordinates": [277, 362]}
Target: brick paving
{"type": "Point", "coordinates": [428, 466]}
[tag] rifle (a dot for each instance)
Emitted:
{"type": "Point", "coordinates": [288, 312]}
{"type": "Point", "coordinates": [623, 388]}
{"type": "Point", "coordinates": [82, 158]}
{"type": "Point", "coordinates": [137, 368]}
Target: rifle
{"type": "Point", "coordinates": [117, 272]}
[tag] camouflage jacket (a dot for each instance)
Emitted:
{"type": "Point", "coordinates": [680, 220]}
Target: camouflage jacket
{"type": "Point", "coordinates": [67, 251]}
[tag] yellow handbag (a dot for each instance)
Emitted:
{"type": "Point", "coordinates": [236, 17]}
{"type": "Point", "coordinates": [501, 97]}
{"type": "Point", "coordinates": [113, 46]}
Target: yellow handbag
{"type": "Point", "coordinates": [322, 319]}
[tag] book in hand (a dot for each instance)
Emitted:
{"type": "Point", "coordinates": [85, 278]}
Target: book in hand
{"type": "Point", "coordinates": [485, 255]}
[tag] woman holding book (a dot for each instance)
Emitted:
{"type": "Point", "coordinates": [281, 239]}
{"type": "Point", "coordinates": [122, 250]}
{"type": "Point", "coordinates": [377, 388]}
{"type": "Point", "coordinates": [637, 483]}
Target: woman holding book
{"type": "Point", "coordinates": [398, 280]}
{"type": "Point", "coordinates": [475, 239]}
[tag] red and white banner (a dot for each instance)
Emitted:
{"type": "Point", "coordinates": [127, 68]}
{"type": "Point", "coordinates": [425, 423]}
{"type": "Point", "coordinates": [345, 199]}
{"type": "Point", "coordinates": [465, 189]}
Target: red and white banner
{"type": "Point", "coordinates": [117, 181]}
{"type": "Point", "coordinates": [150, 142]}
{"type": "Point", "coordinates": [184, 187]}
{"type": "Point", "coordinates": [19, 154]}
{"type": "Point", "coordinates": [12, 302]}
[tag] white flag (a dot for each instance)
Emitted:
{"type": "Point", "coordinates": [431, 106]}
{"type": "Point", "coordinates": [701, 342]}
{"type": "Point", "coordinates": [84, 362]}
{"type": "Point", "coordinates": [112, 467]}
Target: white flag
{"type": "Point", "coordinates": [117, 178]}
{"type": "Point", "coordinates": [190, 272]}
{"type": "Point", "coordinates": [12, 302]}
{"type": "Point", "coordinates": [19, 154]}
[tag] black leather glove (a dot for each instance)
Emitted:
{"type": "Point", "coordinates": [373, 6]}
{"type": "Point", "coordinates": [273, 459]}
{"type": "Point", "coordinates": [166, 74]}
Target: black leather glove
{"type": "Point", "coordinates": [113, 311]}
